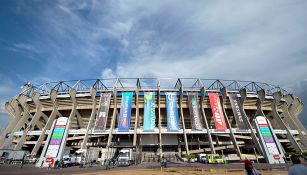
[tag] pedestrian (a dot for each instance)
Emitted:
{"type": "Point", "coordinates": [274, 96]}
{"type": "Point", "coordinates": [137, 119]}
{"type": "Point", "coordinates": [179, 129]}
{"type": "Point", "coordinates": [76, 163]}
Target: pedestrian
{"type": "Point", "coordinates": [56, 164]}
{"type": "Point", "coordinates": [23, 160]}
{"type": "Point", "coordinates": [297, 168]}
{"type": "Point", "coordinates": [107, 164]}
{"type": "Point", "coordinates": [61, 163]}
{"type": "Point", "coordinates": [81, 163]}
{"type": "Point", "coordinates": [249, 168]}
{"type": "Point", "coordinates": [49, 166]}
{"type": "Point", "coordinates": [163, 162]}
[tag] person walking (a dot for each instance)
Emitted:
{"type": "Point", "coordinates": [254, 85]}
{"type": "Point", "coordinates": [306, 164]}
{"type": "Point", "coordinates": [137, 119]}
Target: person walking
{"type": "Point", "coordinates": [81, 163]}
{"type": "Point", "coordinates": [297, 168]}
{"type": "Point", "coordinates": [23, 160]}
{"type": "Point", "coordinates": [249, 168]}
{"type": "Point", "coordinates": [56, 164]}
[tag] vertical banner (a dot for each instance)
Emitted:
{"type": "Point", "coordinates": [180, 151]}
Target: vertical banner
{"type": "Point", "coordinates": [217, 112]}
{"type": "Point", "coordinates": [56, 137]}
{"type": "Point", "coordinates": [149, 111]}
{"type": "Point", "coordinates": [125, 111]}
{"type": "Point", "coordinates": [237, 109]}
{"type": "Point", "coordinates": [102, 114]}
{"type": "Point", "coordinates": [196, 121]}
{"type": "Point", "coordinates": [267, 139]}
{"type": "Point", "coordinates": [172, 111]}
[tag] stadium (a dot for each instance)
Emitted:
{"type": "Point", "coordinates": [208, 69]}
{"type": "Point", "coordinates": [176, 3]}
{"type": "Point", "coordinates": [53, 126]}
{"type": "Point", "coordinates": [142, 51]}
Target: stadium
{"type": "Point", "coordinates": [158, 117]}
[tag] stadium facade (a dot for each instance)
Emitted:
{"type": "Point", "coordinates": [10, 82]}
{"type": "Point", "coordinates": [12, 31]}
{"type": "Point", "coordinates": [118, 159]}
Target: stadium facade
{"type": "Point", "coordinates": [238, 119]}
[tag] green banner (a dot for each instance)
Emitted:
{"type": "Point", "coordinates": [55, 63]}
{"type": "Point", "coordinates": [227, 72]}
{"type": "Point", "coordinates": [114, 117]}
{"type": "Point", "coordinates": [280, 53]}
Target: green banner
{"type": "Point", "coordinates": [149, 111]}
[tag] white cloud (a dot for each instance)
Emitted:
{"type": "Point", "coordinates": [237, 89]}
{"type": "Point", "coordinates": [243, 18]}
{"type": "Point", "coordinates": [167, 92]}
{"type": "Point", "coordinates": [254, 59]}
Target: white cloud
{"type": "Point", "coordinates": [108, 73]}
{"type": "Point", "coordinates": [231, 40]}
{"type": "Point", "coordinates": [245, 40]}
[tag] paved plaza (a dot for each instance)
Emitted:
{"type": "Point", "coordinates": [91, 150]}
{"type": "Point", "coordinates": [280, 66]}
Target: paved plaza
{"type": "Point", "coordinates": [146, 169]}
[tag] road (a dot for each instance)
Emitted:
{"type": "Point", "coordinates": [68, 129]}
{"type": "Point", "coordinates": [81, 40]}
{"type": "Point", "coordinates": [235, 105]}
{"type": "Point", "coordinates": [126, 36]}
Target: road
{"type": "Point", "coordinates": [146, 169]}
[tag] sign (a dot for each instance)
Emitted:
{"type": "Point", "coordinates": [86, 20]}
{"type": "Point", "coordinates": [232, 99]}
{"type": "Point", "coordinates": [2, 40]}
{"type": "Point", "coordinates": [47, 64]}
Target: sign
{"type": "Point", "coordinates": [125, 111]}
{"type": "Point", "coordinates": [149, 111]}
{"type": "Point", "coordinates": [50, 161]}
{"type": "Point", "coordinates": [102, 115]}
{"type": "Point", "coordinates": [276, 157]}
{"type": "Point", "coordinates": [172, 111]}
{"type": "Point", "coordinates": [267, 135]}
{"type": "Point", "coordinates": [237, 109]}
{"type": "Point", "coordinates": [56, 137]}
{"type": "Point", "coordinates": [217, 112]}
{"type": "Point", "coordinates": [196, 121]}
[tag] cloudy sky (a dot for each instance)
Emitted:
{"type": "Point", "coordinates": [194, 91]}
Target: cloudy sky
{"type": "Point", "coordinates": [42, 41]}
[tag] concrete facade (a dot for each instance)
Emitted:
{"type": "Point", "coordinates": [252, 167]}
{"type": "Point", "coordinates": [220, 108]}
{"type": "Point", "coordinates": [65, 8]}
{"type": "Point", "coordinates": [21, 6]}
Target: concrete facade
{"type": "Point", "coordinates": [32, 113]}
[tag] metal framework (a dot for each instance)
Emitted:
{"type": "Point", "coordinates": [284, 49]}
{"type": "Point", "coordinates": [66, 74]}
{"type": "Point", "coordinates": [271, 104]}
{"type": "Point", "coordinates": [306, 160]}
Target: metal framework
{"type": "Point", "coordinates": [123, 84]}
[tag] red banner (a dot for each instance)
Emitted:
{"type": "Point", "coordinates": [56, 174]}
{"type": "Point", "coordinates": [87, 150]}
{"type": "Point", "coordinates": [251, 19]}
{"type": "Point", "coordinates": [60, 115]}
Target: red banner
{"type": "Point", "coordinates": [217, 112]}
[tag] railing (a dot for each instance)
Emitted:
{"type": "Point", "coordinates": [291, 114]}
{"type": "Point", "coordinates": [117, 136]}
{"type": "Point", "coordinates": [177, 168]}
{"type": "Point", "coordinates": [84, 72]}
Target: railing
{"type": "Point", "coordinates": [149, 84]}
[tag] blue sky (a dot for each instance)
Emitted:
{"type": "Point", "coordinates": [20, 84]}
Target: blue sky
{"type": "Point", "coordinates": [42, 41]}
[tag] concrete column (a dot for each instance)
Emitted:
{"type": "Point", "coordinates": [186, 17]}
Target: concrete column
{"type": "Point", "coordinates": [182, 120]}
{"type": "Point", "coordinates": [295, 108]}
{"type": "Point", "coordinates": [294, 124]}
{"type": "Point", "coordinates": [113, 118]}
{"type": "Point", "coordinates": [136, 116]}
{"type": "Point", "coordinates": [35, 118]}
{"type": "Point", "coordinates": [73, 93]}
{"type": "Point", "coordinates": [45, 117]}
{"type": "Point", "coordinates": [234, 141]}
{"type": "Point", "coordinates": [53, 95]}
{"type": "Point", "coordinates": [277, 98]}
{"type": "Point", "coordinates": [14, 112]}
{"type": "Point", "coordinates": [92, 118]}
{"type": "Point", "coordinates": [261, 98]}
{"type": "Point", "coordinates": [40, 125]}
{"type": "Point", "coordinates": [255, 139]}
{"type": "Point", "coordinates": [24, 119]}
{"type": "Point", "coordinates": [159, 123]}
{"type": "Point", "coordinates": [79, 119]}
{"type": "Point", "coordinates": [202, 101]}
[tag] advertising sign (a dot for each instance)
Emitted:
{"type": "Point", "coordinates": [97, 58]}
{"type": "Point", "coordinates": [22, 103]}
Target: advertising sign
{"type": "Point", "coordinates": [149, 111]}
{"type": "Point", "coordinates": [102, 114]}
{"type": "Point", "coordinates": [217, 112]}
{"type": "Point", "coordinates": [196, 121]}
{"type": "Point", "coordinates": [237, 110]}
{"type": "Point", "coordinates": [172, 111]}
{"type": "Point", "coordinates": [56, 137]}
{"type": "Point", "coordinates": [266, 134]}
{"type": "Point", "coordinates": [125, 111]}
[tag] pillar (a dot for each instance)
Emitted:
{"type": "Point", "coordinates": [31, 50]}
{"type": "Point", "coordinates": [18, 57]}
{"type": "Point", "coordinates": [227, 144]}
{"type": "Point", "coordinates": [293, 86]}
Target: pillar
{"type": "Point", "coordinates": [202, 102]}
{"type": "Point", "coordinates": [35, 118]}
{"type": "Point", "coordinates": [255, 139]}
{"type": "Point", "coordinates": [92, 117]}
{"type": "Point", "coordinates": [234, 141]}
{"type": "Point", "coordinates": [14, 111]}
{"type": "Point", "coordinates": [23, 119]}
{"type": "Point", "coordinates": [136, 116]}
{"type": "Point", "coordinates": [53, 95]}
{"type": "Point", "coordinates": [277, 98]}
{"type": "Point", "coordinates": [182, 120]}
{"type": "Point", "coordinates": [159, 122]}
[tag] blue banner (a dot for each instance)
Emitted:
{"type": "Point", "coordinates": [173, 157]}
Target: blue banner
{"type": "Point", "coordinates": [149, 111]}
{"type": "Point", "coordinates": [172, 111]}
{"type": "Point", "coordinates": [125, 111]}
